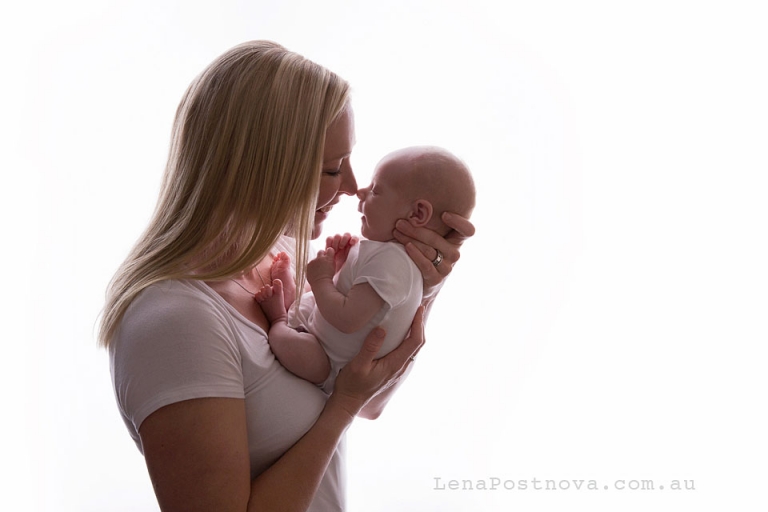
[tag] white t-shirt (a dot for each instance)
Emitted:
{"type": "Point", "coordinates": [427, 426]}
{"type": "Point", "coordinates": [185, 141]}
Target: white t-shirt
{"type": "Point", "coordinates": [393, 275]}
{"type": "Point", "coordinates": [181, 340]}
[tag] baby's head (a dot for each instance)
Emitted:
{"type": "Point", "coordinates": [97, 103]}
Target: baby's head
{"type": "Point", "coordinates": [418, 184]}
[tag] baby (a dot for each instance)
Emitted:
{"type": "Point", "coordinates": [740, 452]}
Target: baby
{"type": "Point", "coordinates": [358, 286]}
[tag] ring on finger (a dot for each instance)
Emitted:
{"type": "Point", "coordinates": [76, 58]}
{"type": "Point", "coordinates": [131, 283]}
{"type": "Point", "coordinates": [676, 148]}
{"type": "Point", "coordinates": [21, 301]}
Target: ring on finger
{"type": "Point", "coordinates": [438, 259]}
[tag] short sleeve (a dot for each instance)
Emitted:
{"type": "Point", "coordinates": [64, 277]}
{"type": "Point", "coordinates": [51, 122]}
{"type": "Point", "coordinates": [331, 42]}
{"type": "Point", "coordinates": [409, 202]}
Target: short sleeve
{"type": "Point", "coordinates": [172, 345]}
{"type": "Point", "coordinates": [388, 269]}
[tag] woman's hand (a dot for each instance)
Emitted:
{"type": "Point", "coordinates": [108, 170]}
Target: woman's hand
{"type": "Point", "coordinates": [365, 377]}
{"type": "Point", "coordinates": [424, 245]}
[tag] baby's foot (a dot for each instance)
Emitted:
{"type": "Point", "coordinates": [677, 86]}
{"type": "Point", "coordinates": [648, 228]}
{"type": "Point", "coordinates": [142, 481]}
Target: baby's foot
{"type": "Point", "coordinates": [281, 269]}
{"type": "Point", "coordinates": [272, 301]}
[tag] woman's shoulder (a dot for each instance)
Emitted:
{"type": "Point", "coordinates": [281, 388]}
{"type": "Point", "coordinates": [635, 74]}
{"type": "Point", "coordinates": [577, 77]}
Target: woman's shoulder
{"type": "Point", "coordinates": [174, 343]}
{"type": "Point", "coordinates": [174, 298]}
{"type": "Point", "coordinates": [176, 290]}
{"type": "Point", "coordinates": [177, 311]}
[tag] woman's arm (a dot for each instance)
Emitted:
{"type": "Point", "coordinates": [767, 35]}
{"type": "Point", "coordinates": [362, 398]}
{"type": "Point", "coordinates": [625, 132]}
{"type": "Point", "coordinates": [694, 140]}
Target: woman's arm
{"type": "Point", "coordinates": [197, 450]}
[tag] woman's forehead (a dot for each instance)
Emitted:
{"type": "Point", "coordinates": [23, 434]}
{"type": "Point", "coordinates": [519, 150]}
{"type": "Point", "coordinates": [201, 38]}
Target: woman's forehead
{"type": "Point", "coordinates": [340, 137]}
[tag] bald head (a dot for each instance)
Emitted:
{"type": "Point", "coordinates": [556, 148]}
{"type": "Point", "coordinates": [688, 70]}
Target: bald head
{"type": "Point", "coordinates": [435, 175]}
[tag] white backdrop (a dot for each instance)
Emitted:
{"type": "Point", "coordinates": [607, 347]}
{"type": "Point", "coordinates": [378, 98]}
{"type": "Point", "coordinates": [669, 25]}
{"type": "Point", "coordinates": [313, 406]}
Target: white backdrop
{"type": "Point", "coordinates": [607, 323]}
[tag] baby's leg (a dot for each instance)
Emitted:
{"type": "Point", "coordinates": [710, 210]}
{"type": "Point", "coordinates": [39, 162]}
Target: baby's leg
{"type": "Point", "coordinates": [281, 269]}
{"type": "Point", "coordinates": [299, 352]}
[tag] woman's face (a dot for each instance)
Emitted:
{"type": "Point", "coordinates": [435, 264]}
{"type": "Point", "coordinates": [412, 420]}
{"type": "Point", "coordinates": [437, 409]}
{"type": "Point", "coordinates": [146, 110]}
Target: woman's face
{"type": "Point", "coordinates": [337, 179]}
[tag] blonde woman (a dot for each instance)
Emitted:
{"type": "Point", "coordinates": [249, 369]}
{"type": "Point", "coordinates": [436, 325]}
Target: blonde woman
{"type": "Point", "coordinates": [260, 150]}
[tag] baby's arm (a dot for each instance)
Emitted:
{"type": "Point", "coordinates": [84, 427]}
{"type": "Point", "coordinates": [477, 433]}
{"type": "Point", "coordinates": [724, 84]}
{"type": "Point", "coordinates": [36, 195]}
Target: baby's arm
{"type": "Point", "coordinates": [299, 352]}
{"type": "Point", "coordinates": [347, 313]}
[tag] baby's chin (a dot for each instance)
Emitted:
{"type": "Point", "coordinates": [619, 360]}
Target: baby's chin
{"type": "Point", "coordinates": [377, 237]}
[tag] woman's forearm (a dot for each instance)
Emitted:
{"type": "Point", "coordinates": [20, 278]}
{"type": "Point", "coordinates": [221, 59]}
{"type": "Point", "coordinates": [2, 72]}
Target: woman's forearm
{"type": "Point", "coordinates": [291, 482]}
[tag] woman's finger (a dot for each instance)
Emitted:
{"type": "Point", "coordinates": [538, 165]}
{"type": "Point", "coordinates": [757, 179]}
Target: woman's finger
{"type": "Point", "coordinates": [429, 272]}
{"type": "Point", "coordinates": [462, 228]}
{"type": "Point", "coordinates": [371, 347]}
{"type": "Point", "coordinates": [427, 251]}
{"type": "Point", "coordinates": [402, 354]}
{"type": "Point", "coordinates": [426, 240]}
{"type": "Point", "coordinates": [450, 253]}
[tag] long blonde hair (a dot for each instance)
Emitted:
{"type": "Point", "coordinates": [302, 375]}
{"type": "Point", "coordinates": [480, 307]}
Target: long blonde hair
{"type": "Point", "coordinates": [244, 164]}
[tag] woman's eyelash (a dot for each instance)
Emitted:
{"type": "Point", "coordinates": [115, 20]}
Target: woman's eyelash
{"type": "Point", "coordinates": [332, 172]}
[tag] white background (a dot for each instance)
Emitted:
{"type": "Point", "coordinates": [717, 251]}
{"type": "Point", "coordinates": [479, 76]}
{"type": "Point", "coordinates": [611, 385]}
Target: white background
{"type": "Point", "coordinates": [608, 320]}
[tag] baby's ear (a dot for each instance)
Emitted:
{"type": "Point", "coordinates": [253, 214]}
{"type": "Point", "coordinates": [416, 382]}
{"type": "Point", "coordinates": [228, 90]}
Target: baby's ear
{"type": "Point", "coordinates": [421, 212]}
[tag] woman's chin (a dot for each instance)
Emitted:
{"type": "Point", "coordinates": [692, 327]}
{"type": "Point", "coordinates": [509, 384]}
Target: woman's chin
{"type": "Point", "coordinates": [317, 230]}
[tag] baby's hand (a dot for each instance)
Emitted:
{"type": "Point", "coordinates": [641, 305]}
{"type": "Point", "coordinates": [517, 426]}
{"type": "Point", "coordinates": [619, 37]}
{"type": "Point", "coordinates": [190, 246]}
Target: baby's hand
{"type": "Point", "coordinates": [341, 244]}
{"type": "Point", "coordinates": [322, 267]}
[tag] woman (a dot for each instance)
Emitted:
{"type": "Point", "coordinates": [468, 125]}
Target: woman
{"type": "Point", "coordinates": [260, 148]}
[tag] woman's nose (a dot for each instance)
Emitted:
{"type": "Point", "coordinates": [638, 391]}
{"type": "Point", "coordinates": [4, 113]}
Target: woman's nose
{"type": "Point", "coordinates": [348, 183]}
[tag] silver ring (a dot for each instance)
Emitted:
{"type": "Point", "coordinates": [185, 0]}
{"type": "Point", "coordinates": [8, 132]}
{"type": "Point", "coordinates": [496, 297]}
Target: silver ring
{"type": "Point", "coordinates": [438, 259]}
